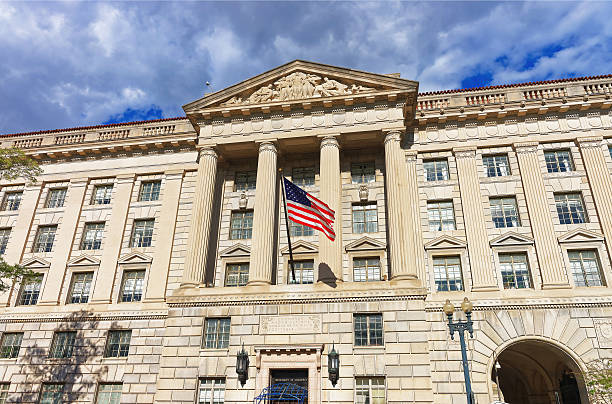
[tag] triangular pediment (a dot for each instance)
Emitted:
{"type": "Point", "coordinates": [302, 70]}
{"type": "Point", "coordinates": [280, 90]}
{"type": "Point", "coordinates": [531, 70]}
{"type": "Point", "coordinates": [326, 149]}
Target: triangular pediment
{"type": "Point", "coordinates": [301, 247]}
{"type": "Point", "coordinates": [445, 242]}
{"type": "Point", "coordinates": [83, 260]}
{"type": "Point", "coordinates": [237, 250]}
{"type": "Point", "coordinates": [509, 239]}
{"type": "Point", "coordinates": [135, 258]}
{"type": "Point", "coordinates": [36, 263]}
{"type": "Point", "coordinates": [365, 244]}
{"type": "Point", "coordinates": [298, 81]}
{"type": "Point", "coordinates": [580, 236]}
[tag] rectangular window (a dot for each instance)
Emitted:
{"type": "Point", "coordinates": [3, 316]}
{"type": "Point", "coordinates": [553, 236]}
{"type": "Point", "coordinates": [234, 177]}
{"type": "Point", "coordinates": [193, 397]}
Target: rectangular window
{"type": "Point", "coordinates": [149, 191]}
{"type": "Point", "coordinates": [570, 208]}
{"type": "Point", "coordinates": [51, 393]}
{"type": "Point", "coordinates": [441, 215]}
{"type": "Point", "coordinates": [366, 269]}
{"type": "Point", "coordinates": [504, 212]}
{"type": "Point", "coordinates": [447, 274]}
{"type": "Point", "coordinates": [585, 268]}
{"type": "Point", "coordinates": [80, 287]}
{"type": "Point", "coordinates": [43, 242]}
{"type": "Point", "coordinates": [370, 390]}
{"type": "Point", "coordinates": [515, 271]}
{"type": "Point", "coordinates": [12, 200]}
{"type": "Point", "coordinates": [436, 170]}
{"type": "Point", "coordinates": [118, 343]}
{"type": "Point", "coordinates": [303, 176]}
{"type": "Point", "coordinates": [365, 218]}
{"type": "Point", "coordinates": [56, 198]}
{"type": "Point", "coordinates": [217, 333]}
{"type": "Point", "coordinates": [237, 274]}
{"type": "Point", "coordinates": [30, 290]}
{"type": "Point", "coordinates": [132, 286]}
{"type": "Point", "coordinates": [102, 194]}
{"type": "Point", "coordinates": [496, 166]}
{"type": "Point", "coordinates": [62, 345]}
{"type": "Point", "coordinates": [109, 393]}
{"type": "Point", "coordinates": [4, 391]}
{"type": "Point", "coordinates": [304, 272]}
{"type": "Point", "coordinates": [362, 173]}
{"type": "Point", "coordinates": [4, 238]}
{"type": "Point", "coordinates": [558, 161]}
{"type": "Point", "coordinates": [142, 234]}
{"type": "Point", "coordinates": [212, 391]}
{"type": "Point", "coordinates": [92, 236]}
{"type": "Point", "coordinates": [299, 230]}
{"type": "Point", "coordinates": [368, 329]}
{"type": "Point", "coordinates": [241, 225]}
{"type": "Point", "coordinates": [245, 180]}
{"type": "Point", "coordinates": [10, 345]}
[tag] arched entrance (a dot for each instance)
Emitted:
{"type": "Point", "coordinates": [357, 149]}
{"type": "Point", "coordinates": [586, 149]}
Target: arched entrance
{"type": "Point", "coordinates": [537, 372]}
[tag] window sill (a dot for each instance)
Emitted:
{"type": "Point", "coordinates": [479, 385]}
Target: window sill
{"type": "Point", "coordinates": [369, 349]}
{"type": "Point", "coordinates": [8, 361]}
{"type": "Point", "coordinates": [214, 351]}
{"type": "Point", "coordinates": [112, 361]}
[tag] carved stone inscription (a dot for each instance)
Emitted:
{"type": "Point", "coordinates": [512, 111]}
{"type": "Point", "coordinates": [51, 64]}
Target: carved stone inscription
{"type": "Point", "coordinates": [290, 325]}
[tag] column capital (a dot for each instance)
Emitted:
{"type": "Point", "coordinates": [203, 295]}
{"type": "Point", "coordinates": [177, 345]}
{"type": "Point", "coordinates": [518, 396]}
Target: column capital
{"type": "Point", "coordinates": [392, 135]}
{"type": "Point", "coordinates": [411, 156]}
{"type": "Point", "coordinates": [464, 152]}
{"type": "Point", "coordinates": [330, 141]}
{"type": "Point", "coordinates": [590, 142]}
{"type": "Point", "coordinates": [268, 146]}
{"type": "Point", "coordinates": [208, 151]}
{"type": "Point", "coordinates": [526, 147]}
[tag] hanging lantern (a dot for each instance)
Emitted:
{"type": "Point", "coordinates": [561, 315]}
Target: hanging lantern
{"type": "Point", "coordinates": [242, 366]}
{"type": "Point", "coordinates": [333, 366]}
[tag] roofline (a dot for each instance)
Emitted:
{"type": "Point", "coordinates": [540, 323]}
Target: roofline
{"type": "Point", "coordinates": [526, 84]}
{"type": "Point", "coordinates": [441, 92]}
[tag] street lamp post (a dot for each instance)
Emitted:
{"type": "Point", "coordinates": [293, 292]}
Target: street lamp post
{"type": "Point", "coordinates": [461, 327]}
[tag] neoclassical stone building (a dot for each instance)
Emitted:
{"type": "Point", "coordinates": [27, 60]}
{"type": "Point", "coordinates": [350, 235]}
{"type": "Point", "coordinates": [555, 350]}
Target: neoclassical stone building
{"type": "Point", "coordinates": [161, 245]}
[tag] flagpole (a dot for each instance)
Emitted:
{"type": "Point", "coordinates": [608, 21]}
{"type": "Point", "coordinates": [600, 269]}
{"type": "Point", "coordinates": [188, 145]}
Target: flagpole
{"type": "Point", "coordinates": [287, 228]}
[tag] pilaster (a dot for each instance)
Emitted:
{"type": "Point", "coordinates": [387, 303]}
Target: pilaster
{"type": "Point", "coordinates": [199, 232]}
{"type": "Point", "coordinates": [552, 268]}
{"type": "Point", "coordinates": [482, 268]}
{"type": "Point", "coordinates": [413, 216]}
{"type": "Point", "coordinates": [401, 236]}
{"type": "Point", "coordinates": [265, 210]}
{"type": "Point", "coordinates": [158, 276]}
{"type": "Point", "coordinates": [108, 264]}
{"type": "Point", "coordinates": [330, 252]}
{"type": "Point", "coordinates": [64, 240]}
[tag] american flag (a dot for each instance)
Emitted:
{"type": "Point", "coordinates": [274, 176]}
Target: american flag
{"type": "Point", "coordinates": [305, 209]}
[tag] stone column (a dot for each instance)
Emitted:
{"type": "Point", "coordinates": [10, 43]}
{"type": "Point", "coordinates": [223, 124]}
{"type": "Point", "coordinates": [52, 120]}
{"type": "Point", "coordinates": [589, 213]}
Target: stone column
{"type": "Point", "coordinates": [114, 230]}
{"type": "Point", "coordinates": [21, 229]}
{"type": "Point", "coordinates": [483, 278]}
{"type": "Point", "coordinates": [330, 252]}
{"type": "Point", "coordinates": [413, 208]}
{"type": "Point", "coordinates": [158, 275]}
{"type": "Point", "coordinates": [199, 232]}
{"type": "Point", "coordinates": [63, 242]}
{"type": "Point", "coordinates": [262, 248]}
{"type": "Point", "coordinates": [401, 237]}
{"type": "Point", "coordinates": [600, 181]}
{"type": "Point", "coordinates": [549, 254]}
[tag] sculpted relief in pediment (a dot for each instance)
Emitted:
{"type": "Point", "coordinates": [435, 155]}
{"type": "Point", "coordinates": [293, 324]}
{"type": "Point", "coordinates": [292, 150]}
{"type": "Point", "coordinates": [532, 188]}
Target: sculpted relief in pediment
{"type": "Point", "coordinates": [296, 86]}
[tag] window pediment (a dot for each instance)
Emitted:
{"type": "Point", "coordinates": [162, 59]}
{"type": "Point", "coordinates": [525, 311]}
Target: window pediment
{"type": "Point", "coordinates": [237, 250]}
{"type": "Point", "coordinates": [301, 247]}
{"type": "Point", "coordinates": [580, 236]}
{"type": "Point", "coordinates": [365, 244]}
{"type": "Point", "coordinates": [83, 260]}
{"type": "Point", "coordinates": [135, 258]}
{"type": "Point", "coordinates": [511, 239]}
{"type": "Point", "coordinates": [36, 263]}
{"type": "Point", "coordinates": [445, 242]}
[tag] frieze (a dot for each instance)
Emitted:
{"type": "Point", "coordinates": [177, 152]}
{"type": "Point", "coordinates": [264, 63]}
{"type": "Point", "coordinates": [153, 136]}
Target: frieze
{"type": "Point", "coordinates": [296, 86]}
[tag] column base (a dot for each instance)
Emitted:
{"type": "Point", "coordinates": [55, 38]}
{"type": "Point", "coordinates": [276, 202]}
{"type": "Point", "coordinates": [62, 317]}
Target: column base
{"type": "Point", "coordinates": [556, 286]}
{"type": "Point", "coordinates": [186, 285]}
{"type": "Point", "coordinates": [258, 283]}
{"type": "Point", "coordinates": [485, 288]}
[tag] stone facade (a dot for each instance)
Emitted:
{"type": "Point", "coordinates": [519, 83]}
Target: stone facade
{"type": "Point", "coordinates": [370, 142]}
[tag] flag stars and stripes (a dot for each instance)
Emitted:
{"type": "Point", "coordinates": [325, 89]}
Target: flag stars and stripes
{"type": "Point", "coordinates": [307, 210]}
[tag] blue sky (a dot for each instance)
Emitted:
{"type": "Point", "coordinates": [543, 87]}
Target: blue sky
{"type": "Point", "coordinates": [85, 63]}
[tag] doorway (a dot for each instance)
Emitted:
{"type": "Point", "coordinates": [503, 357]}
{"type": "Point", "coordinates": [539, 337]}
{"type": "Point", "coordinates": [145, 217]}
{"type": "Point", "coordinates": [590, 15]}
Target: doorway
{"type": "Point", "coordinates": [537, 372]}
{"type": "Point", "coordinates": [298, 377]}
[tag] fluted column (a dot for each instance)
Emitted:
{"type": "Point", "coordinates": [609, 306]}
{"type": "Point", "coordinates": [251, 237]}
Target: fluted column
{"type": "Point", "coordinates": [552, 268]}
{"type": "Point", "coordinates": [601, 182]}
{"type": "Point", "coordinates": [401, 236]}
{"type": "Point", "coordinates": [330, 252]}
{"type": "Point", "coordinates": [475, 223]}
{"type": "Point", "coordinates": [262, 248]}
{"type": "Point", "coordinates": [413, 207]}
{"type": "Point", "coordinates": [199, 232]}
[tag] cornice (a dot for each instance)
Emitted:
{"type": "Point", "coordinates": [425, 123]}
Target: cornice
{"type": "Point", "coordinates": [484, 305]}
{"type": "Point", "coordinates": [82, 317]}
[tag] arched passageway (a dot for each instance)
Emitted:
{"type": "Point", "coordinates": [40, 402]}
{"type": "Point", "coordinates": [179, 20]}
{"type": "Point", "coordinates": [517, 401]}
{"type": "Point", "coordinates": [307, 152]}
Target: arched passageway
{"type": "Point", "coordinates": [537, 372]}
